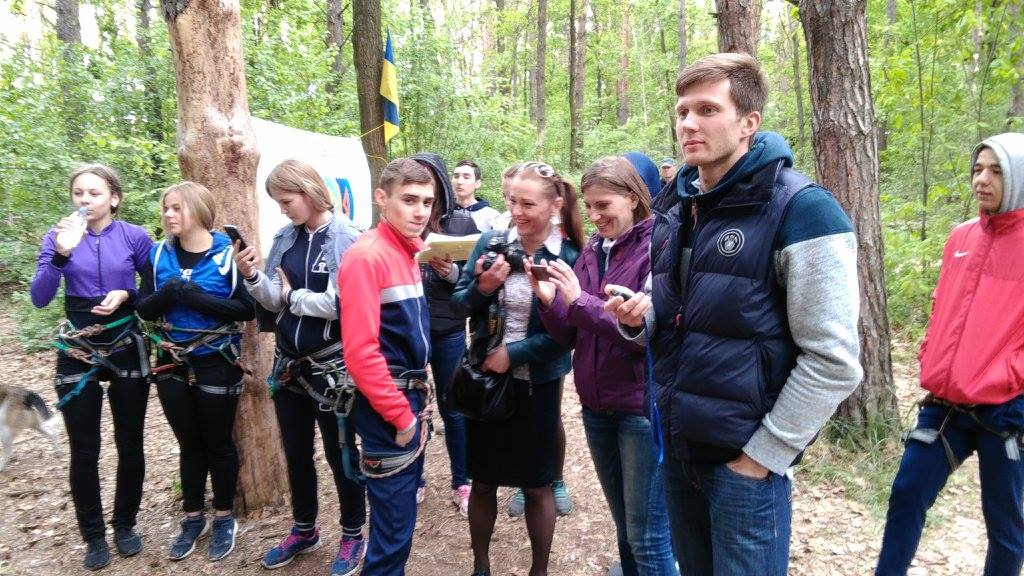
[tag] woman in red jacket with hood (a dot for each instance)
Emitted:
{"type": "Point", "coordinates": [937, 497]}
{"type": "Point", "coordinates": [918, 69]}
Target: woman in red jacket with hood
{"type": "Point", "coordinates": [972, 365]}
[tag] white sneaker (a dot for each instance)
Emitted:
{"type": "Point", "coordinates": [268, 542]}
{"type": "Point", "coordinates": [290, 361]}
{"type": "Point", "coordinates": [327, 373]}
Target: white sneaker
{"type": "Point", "coordinates": [421, 494]}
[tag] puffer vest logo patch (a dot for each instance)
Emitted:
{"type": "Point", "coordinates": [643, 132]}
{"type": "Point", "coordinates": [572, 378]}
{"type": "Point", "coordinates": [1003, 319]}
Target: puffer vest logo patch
{"type": "Point", "coordinates": [730, 242]}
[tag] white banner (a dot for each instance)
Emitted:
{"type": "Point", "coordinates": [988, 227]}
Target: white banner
{"type": "Point", "coordinates": [340, 162]}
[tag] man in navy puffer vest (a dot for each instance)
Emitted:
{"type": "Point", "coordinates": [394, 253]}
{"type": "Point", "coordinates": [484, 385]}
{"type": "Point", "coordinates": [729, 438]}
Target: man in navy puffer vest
{"type": "Point", "coordinates": [752, 322]}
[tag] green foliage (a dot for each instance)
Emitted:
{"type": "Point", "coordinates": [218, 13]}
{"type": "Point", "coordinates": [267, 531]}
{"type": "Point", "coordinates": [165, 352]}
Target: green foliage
{"type": "Point", "coordinates": [464, 82]}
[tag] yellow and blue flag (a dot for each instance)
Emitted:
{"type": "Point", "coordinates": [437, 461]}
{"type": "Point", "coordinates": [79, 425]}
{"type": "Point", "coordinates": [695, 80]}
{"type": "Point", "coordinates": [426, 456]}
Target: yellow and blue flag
{"type": "Point", "coordinates": [389, 92]}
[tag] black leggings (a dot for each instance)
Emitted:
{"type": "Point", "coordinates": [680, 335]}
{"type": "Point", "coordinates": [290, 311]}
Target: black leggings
{"type": "Point", "coordinates": [296, 415]}
{"type": "Point", "coordinates": [202, 421]}
{"type": "Point", "coordinates": [128, 398]}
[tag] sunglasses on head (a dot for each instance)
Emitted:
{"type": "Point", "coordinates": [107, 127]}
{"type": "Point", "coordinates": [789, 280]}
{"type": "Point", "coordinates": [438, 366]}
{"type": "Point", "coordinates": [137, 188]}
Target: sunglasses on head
{"type": "Point", "coordinates": [541, 169]}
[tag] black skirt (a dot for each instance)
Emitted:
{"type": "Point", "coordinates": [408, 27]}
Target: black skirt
{"type": "Point", "coordinates": [520, 451]}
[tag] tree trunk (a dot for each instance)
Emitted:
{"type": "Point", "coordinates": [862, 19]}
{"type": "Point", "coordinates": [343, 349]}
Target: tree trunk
{"type": "Point", "coordinates": [577, 54]}
{"type": "Point", "coordinates": [798, 87]}
{"type": "Point", "coordinates": [336, 41]}
{"type": "Point", "coordinates": [1015, 115]}
{"type": "Point", "coordinates": [622, 83]}
{"type": "Point", "coordinates": [217, 148]}
{"type": "Point", "coordinates": [367, 52]}
{"type": "Point", "coordinates": [540, 73]}
{"type": "Point", "coordinates": [669, 86]}
{"type": "Point", "coordinates": [69, 31]}
{"type": "Point", "coordinates": [846, 158]}
{"type": "Point", "coordinates": [154, 117]}
{"type": "Point", "coordinates": [682, 38]}
{"type": "Point", "coordinates": [739, 25]}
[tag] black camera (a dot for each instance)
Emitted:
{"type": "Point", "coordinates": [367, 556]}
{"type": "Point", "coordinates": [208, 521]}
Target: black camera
{"type": "Point", "coordinates": [499, 245]}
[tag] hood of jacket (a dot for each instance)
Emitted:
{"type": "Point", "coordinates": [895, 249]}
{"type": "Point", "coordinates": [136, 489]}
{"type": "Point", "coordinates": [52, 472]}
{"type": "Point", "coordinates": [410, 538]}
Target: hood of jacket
{"type": "Point", "coordinates": [1009, 149]}
{"type": "Point", "coordinates": [768, 148]}
{"type": "Point", "coordinates": [436, 165]}
{"type": "Point", "coordinates": [647, 170]}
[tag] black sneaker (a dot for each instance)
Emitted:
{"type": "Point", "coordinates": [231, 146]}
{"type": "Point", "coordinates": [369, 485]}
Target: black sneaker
{"type": "Point", "coordinates": [222, 541]}
{"type": "Point", "coordinates": [127, 542]}
{"type": "Point", "coordinates": [97, 554]}
{"type": "Point", "coordinates": [192, 529]}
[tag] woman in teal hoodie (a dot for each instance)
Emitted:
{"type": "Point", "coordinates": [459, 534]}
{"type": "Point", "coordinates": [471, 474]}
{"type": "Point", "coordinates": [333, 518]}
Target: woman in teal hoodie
{"type": "Point", "coordinates": [520, 451]}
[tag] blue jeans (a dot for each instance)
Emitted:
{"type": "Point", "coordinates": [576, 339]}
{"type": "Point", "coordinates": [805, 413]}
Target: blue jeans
{"type": "Point", "coordinates": [446, 350]}
{"type": "Point", "coordinates": [922, 474]}
{"type": "Point", "coordinates": [727, 524]}
{"type": "Point", "coordinates": [626, 460]}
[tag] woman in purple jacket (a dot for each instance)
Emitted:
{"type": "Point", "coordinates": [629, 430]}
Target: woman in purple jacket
{"type": "Point", "coordinates": [609, 370]}
{"type": "Point", "coordinates": [98, 258]}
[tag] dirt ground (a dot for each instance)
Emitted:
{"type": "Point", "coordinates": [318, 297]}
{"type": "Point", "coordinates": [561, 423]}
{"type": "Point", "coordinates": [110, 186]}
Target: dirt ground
{"type": "Point", "coordinates": [832, 533]}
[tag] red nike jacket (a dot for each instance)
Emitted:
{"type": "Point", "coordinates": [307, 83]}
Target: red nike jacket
{"type": "Point", "coordinates": [973, 351]}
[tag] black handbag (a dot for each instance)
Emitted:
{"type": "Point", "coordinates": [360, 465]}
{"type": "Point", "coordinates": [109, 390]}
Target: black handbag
{"type": "Point", "coordinates": [480, 395]}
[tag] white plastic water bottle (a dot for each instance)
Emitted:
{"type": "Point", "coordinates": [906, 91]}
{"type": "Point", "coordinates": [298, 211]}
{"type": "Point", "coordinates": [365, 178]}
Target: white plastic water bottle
{"type": "Point", "coordinates": [73, 236]}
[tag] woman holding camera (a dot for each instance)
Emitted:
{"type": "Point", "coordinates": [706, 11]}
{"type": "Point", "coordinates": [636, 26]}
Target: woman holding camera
{"type": "Point", "coordinates": [609, 370]}
{"type": "Point", "coordinates": [519, 451]}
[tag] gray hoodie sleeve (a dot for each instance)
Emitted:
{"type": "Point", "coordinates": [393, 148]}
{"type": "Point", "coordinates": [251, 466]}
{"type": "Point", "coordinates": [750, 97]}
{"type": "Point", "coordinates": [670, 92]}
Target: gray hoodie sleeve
{"type": "Point", "coordinates": [267, 291]}
{"type": "Point", "coordinates": [641, 336]}
{"type": "Point", "coordinates": [823, 302]}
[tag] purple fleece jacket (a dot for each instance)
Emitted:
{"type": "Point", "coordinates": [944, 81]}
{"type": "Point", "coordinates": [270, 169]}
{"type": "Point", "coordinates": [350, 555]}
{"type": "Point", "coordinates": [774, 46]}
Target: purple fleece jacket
{"type": "Point", "coordinates": [609, 370]}
{"type": "Point", "coordinates": [100, 263]}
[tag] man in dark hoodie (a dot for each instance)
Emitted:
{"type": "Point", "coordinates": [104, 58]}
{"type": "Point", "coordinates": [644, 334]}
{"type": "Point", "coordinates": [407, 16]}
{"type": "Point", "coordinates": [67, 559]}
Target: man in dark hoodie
{"type": "Point", "coordinates": [447, 331]}
{"type": "Point", "coordinates": [466, 181]}
{"type": "Point", "coordinates": [753, 327]}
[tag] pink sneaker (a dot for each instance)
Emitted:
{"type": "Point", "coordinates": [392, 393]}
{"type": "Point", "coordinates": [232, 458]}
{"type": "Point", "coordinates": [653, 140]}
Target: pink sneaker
{"type": "Point", "coordinates": [460, 497]}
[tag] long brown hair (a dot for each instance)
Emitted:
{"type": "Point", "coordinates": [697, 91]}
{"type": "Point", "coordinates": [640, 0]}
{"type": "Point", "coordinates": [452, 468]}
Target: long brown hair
{"type": "Point", "coordinates": [616, 173]}
{"type": "Point", "coordinates": [555, 186]}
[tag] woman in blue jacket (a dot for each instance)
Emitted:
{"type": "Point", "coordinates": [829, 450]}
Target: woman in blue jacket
{"type": "Point", "coordinates": [193, 287]}
{"type": "Point", "coordinates": [521, 451]}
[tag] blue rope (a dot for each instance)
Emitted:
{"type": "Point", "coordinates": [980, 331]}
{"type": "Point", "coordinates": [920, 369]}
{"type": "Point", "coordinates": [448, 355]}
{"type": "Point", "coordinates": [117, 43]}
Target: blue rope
{"type": "Point", "coordinates": [78, 387]}
{"type": "Point", "coordinates": [652, 407]}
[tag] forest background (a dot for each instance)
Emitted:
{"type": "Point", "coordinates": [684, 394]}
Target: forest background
{"type": "Point", "coordinates": [93, 81]}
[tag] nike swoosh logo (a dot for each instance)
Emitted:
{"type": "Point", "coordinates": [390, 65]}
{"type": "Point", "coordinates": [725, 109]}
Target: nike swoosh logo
{"type": "Point", "coordinates": [959, 254]}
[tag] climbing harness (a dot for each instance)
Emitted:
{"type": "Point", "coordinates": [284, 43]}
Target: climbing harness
{"type": "Point", "coordinates": [74, 343]}
{"type": "Point", "coordinates": [1013, 439]}
{"type": "Point", "coordinates": [179, 352]}
{"type": "Point", "coordinates": [339, 396]}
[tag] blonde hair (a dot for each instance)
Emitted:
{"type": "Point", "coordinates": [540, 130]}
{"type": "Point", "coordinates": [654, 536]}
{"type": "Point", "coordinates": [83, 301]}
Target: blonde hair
{"type": "Point", "coordinates": [201, 203]}
{"type": "Point", "coordinates": [618, 174]}
{"type": "Point", "coordinates": [300, 178]}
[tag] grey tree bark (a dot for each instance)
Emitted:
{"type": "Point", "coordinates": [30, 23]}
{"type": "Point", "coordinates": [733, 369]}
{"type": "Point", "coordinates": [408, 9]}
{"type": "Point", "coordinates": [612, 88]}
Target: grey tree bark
{"type": "Point", "coordinates": [846, 158]}
{"type": "Point", "coordinates": [336, 41]}
{"type": "Point", "coordinates": [622, 82]}
{"type": "Point", "coordinates": [367, 49]}
{"type": "Point", "coordinates": [739, 25]}
{"type": "Point", "coordinates": [540, 72]}
{"type": "Point", "coordinates": [217, 148]}
{"type": "Point", "coordinates": [577, 67]}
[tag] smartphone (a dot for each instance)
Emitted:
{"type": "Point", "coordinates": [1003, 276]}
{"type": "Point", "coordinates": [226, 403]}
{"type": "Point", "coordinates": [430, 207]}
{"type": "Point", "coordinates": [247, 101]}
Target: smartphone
{"type": "Point", "coordinates": [235, 236]}
{"type": "Point", "coordinates": [614, 290]}
{"type": "Point", "coordinates": [540, 272]}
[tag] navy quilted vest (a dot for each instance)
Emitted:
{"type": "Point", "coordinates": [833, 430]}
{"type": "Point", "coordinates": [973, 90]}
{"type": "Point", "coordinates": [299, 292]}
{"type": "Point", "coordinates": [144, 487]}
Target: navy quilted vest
{"type": "Point", "coordinates": [723, 345]}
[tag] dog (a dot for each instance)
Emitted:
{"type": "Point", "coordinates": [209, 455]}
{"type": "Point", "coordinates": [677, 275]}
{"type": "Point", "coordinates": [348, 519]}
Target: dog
{"type": "Point", "coordinates": [21, 409]}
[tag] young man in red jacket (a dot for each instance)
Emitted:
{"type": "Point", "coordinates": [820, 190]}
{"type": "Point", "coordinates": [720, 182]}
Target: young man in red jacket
{"type": "Point", "coordinates": [972, 365]}
{"type": "Point", "coordinates": [385, 329]}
